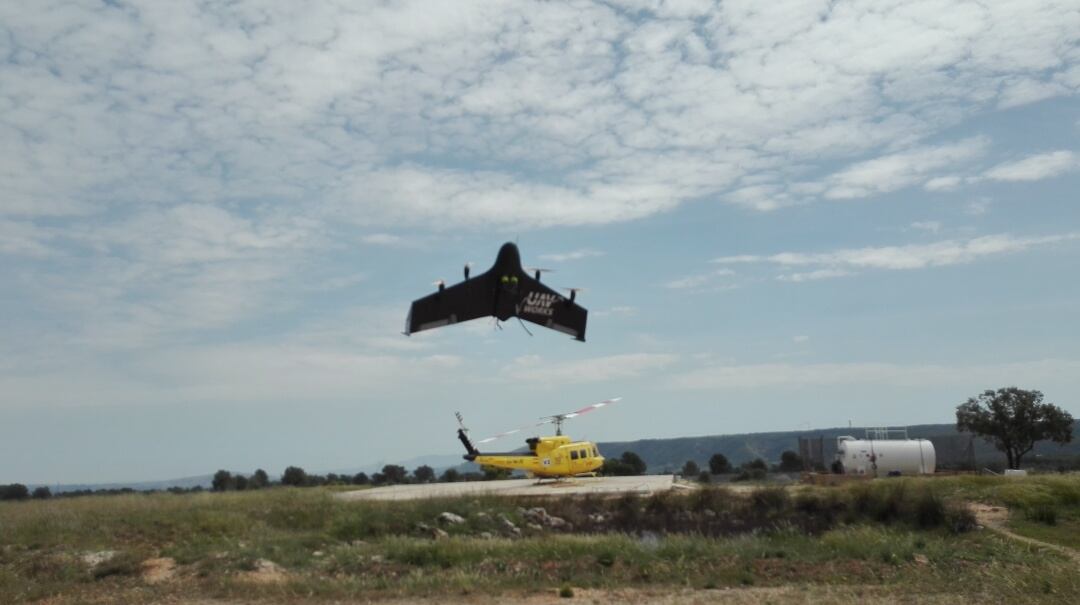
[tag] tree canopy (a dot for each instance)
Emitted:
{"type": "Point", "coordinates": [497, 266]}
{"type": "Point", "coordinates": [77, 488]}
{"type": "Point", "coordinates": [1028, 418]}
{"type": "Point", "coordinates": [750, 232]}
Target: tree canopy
{"type": "Point", "coordinates": [1014, 419]}
{"type": "Point", "coordinates": [690, 469]}
{"type": "Point", "coordinates": [718, 464]}
{"type": "Point", "coordinates": [790, 462]}
{"type": "Point", "coordinates": [294, 476]}
{"type": "Point", "coordinates": [629, 464]}
{"type": "Point", "coordinates": [424, 474]}
{"type": "Point", "coordinates": [223, 480]}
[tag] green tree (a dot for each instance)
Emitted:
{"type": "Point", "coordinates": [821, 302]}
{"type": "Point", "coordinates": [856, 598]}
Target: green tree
{"type": "Point", "coordinates": [690, 469]}
{"type": "Point", "coordinates": [14, 491]}
{"type": "Point", "coordinates": [424, 474]}
{"type": "Point", "coordinates": [634, 462]}
{"type": "Point", "coordinates": [756, 464]}
{"type": "Point", "coordinates": [450, 475]}
{"type": "Point", "coordinates": [704, 477]}
{"type": "Point", "coordinates": [361, 479]}
{"type": "Point", "coordinates": [719, 465]}
{"type": "Point", "coordinates": [395, 474]}
{"type": "Point", "coordinates": [42, 493]}
{"type": "Point", "coordinates": [790, 462]}
{"type": "Point", "coordinates": [493, 473]}
{"type": "Point", "coordinates": [1014, 420]}
{"type": "Point", "coordinates": [223, 480]}
{"type": "Point", "coordinates": [259, 480]}
{"type": "Point", "coordinates": [240, 482]}
{"type": "Point", "coordinates": [294, 476]}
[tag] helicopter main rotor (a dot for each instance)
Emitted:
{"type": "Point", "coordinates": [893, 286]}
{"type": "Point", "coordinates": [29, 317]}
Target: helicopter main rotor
{"type": "Point", "coordinates": [556, 419]}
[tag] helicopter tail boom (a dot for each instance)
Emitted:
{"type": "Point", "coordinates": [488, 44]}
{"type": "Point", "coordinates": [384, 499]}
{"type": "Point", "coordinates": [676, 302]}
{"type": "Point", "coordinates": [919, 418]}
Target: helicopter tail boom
{"type": "Point", "coordinates": [469, 447]}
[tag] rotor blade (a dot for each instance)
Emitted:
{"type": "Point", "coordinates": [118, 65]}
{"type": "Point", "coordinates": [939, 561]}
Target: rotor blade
{"type": "Point", "coordinates": [592, 407]}
{"type": "Point", "coordinates": [510, 432]}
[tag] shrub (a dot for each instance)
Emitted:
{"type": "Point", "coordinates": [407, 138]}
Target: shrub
{"type": "Point", "coordinates": [769, 499]}
{"type": "Point", "coordinates": [959, 518]}
{"type": "Point", "coordinates": [929, 510]}
{"type": "Point", "coordinates": [1042, 514]}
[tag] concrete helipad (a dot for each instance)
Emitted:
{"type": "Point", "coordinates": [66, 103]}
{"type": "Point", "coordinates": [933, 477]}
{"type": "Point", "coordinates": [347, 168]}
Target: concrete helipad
{"type": "Point", "coordinates": [645, 484]}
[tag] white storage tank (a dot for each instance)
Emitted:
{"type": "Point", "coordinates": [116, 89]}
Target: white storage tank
{"type": "Point", "coordinates": [879, 458]}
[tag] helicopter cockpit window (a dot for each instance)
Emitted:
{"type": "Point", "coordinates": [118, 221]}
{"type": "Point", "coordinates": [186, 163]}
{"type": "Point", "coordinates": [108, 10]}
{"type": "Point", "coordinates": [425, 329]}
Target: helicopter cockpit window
{"type": "Point", "coordinates": [573, 455]}
{"type": "Point", "coordinates": [584, 453]}
{"type": "Point", "coordinates": [595, 453]}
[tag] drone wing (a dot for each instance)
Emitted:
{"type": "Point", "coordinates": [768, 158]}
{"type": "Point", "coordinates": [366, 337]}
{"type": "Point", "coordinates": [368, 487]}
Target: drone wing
{"type": "Point", "coordinates": [543, 306]}
{"type": "Point", "coordinates": [467, 300]}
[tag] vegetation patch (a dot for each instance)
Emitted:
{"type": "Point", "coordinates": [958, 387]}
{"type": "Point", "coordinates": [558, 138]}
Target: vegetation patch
{"type": "Point", "coordinates": [290, 544]}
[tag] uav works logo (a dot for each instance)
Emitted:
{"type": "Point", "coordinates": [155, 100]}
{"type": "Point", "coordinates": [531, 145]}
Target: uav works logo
{"type": "Point", "coordinates": [539, 303]}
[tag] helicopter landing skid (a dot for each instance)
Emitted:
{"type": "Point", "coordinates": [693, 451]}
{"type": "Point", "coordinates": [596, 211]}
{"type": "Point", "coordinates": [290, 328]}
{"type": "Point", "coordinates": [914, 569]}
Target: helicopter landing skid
{"type": "Point", "coordinates": [555, 481]}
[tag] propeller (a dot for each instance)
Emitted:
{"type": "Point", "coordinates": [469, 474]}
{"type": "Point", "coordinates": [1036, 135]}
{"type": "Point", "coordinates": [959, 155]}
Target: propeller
{"type": "Point", "coordinates": [557, 420]}
{"type": "Point", "coordinates": [573, 292]}
{"type": "Point", "coordinates": [536, 271]}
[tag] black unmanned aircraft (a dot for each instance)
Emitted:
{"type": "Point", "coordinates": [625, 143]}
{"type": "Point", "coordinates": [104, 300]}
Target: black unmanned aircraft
{"type": "Point", "coordinates": [504, 291]}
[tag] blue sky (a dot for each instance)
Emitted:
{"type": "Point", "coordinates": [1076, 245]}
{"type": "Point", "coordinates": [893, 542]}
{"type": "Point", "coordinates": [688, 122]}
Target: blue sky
{"type": "Point", "coordinates": [787, 215]}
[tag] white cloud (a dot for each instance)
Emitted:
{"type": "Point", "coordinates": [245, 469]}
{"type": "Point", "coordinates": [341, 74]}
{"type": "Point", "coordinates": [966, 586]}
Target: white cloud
{"type": "Point", "coordinates": [357, 111]}
{"type": "Point", "coordinates": [575, 255]}
{"type": "Point", "coordinates": [800, 339]}
{"type": "Point", "coordinates": [911, 256]}
{"type": "Point", "coordinates": [813, 275]}
{"type": "Point", "coordinates": [943, 183]}
{"type": "Point", "coordinates": [1036, 167]}
{"type": "Point", "coordinates": [19, 238]}
{"type": "Point", "coordinates": [617, 311]}
{"type": "Point", "coordinates": [383, 239]}
{"type": "Point", "coordinates": [928, 226]}
{"type": "Point", "coordinates": [535, 369]}
{"type": "Point", "coordinates": [899, 170]}
{"type": "Point", "coordinates": [977, 207]}
{"type": "Point", "coordinates": [698, 281]}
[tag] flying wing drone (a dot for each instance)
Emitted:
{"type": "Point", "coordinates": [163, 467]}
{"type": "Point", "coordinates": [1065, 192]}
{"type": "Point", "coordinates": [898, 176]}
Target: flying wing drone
{"type": "Point", "coordinates": [504, 291]}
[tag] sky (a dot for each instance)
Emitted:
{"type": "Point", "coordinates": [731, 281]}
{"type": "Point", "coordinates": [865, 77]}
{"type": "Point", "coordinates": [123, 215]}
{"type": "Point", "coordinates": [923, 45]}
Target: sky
{"type": "Point", "coordinates": [786, 215]}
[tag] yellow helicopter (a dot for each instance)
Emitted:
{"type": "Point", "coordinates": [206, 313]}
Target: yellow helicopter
{"type": "Point", "coordinates": [548, 457]}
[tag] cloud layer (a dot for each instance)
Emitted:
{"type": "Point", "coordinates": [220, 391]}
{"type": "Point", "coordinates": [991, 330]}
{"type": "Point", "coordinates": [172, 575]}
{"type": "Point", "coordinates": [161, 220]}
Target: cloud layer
{"type": "Point", "coordinates": [839, 263]}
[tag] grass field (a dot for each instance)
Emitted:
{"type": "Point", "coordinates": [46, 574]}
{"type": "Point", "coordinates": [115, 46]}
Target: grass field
{"type": "Point", "coordinates": [890, 539]}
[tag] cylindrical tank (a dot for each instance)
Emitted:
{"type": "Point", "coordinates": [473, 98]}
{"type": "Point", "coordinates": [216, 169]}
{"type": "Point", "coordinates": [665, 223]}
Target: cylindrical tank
{"type": "Point", "coordinates": [882, 457]}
